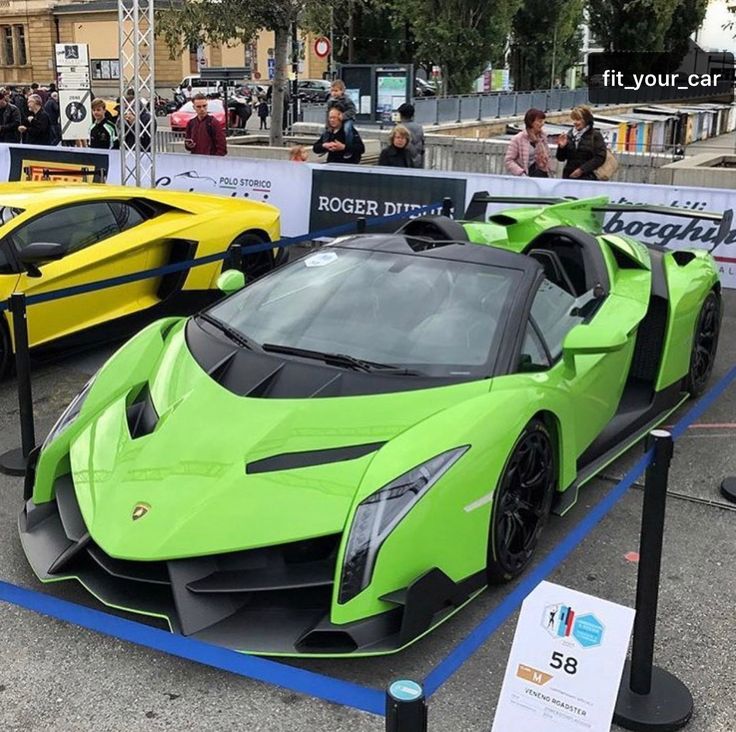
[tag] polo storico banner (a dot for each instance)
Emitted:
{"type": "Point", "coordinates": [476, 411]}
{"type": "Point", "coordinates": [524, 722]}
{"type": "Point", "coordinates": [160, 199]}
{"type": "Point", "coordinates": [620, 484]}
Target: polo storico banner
{"type": "Point", "coordinates": [340, 196]}
{"type": "Point", "coordinates": [58, 164]}
{"type": "Point", "coordinates": [281, 183]}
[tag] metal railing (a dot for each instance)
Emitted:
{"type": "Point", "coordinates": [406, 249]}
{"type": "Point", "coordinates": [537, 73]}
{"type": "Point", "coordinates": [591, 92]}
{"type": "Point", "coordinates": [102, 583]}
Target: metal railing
{"type": "Point", "coordinates": [475, 107]}
{"type": "Point", "coordinates": [165, 140]}
{"type": "Point", "coordinates": [487, 156]}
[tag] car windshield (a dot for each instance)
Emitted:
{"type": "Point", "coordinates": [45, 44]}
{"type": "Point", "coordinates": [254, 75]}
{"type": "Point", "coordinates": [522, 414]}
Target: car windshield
{"type": "Point", "coordinates": [213, 105]}
{"type": "Point", "coordinates": [435, 316]}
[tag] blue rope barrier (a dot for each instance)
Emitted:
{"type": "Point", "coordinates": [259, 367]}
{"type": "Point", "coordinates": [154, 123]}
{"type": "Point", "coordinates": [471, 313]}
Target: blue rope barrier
{"type": "Point", "coordinates": [209, 259]}
{"type": "Point", "coordinates": [460, 654]}
{"type": "Point", "coordinates": [254, 667]}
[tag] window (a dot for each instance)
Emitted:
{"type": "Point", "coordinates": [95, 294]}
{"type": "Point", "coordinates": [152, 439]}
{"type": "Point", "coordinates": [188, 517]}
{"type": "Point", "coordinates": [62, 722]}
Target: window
{"type": "Point", "coordinates": [7, 46]}
{"type": "Point", "coordinates": [20, 44]}
{"type": "Point", "coordinates": [76, 227]}
{"type": "Point", "coordinates": [533, 354]}
{"type": "Point", "coordinates": [105, 68]}
{"type": "Point", "coordinates": [126, 215]}
{"type": "Point", "coordinates": [555, 313]}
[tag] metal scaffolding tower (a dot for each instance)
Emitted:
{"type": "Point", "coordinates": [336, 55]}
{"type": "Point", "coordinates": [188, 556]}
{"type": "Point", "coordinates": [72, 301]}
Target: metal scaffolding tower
{"type": "Point", "coordinates": [137, 92]}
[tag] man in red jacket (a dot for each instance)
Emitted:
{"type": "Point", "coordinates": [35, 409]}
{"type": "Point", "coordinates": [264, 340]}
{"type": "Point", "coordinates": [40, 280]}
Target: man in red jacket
{"type": "Point", "coordinates": [204, 135]}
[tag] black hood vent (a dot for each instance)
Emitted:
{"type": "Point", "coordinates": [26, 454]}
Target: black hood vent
{"type": "Point", "coordinates": [141, 414]}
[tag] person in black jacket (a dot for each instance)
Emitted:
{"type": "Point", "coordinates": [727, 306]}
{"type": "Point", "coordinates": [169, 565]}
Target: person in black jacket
{"type": "Point", "coordinates": [583, 149]}
{"type": "Point", "coordinates": [37, 129]}
{"type": "Point", "coordinates": [9, 120]}
{"type": "Point", "coordinates": [103, 134]}
{"type": "Point", "coordinates": [399, 153]}
{"type": "Point", "coordinates": [52, 109]}
{"type": "Point", "coordinates": [333, 141]}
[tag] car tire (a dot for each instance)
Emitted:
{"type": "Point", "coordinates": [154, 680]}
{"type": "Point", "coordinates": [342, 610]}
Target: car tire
{"type": "Point", "coordinates": [522, 503]}
{"type": "Point", "coordinates": [705, 344]}
{"type": "Point", "coordinates": [255, 264]}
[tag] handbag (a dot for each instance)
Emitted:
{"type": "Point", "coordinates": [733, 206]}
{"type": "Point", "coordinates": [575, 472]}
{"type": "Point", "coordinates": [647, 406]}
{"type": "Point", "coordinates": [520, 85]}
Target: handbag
{"type": "Point", "coordinates": [609, 167]}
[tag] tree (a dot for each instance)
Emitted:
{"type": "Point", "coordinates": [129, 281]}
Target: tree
{"type": "Point", "coordinates": [460, 36]}
{"type": "Point", "coordinates": [546, 41]}
{"type": "Point", "coordinates": [645, 25]}
{"type": "Point", "coordinates": [191, 22]}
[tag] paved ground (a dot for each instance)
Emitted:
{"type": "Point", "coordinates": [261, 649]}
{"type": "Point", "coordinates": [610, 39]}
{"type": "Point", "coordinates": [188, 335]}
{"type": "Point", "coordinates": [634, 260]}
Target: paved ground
{"type": "Point", "coordinates": [55, 676]}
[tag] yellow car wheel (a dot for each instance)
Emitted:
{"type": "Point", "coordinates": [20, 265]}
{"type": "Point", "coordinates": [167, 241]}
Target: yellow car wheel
{"type": "Point", "coordinates": [255, 264]}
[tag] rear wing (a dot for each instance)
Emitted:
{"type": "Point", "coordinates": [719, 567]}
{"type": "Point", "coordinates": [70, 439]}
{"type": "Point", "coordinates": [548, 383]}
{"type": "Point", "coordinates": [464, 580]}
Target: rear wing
{"type": "Point", "coordinates": [476, 210]}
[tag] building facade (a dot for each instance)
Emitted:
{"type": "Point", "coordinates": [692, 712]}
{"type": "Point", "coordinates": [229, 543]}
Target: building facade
{"type": "Point", "coordinates": [30, 28]}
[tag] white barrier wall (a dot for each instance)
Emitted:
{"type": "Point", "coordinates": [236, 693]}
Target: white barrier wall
{"type": "Point", "coordinates": [313, 197]}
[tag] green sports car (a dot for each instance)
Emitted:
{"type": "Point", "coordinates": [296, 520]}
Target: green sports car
{"type": "Point", "coordinates": [337, 457]}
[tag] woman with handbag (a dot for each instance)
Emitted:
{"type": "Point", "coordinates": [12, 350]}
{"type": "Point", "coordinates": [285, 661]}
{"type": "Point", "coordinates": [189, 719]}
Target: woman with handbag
{"type": "Point", "coordinates": [528, 152]}
{"type": "Point", "coordinates": [583, 149]}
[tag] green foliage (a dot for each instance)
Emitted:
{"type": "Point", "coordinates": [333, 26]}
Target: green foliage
{"type": "Point", "coordinates": [461, 36]}
{"type": "Point", "coordinates": [546, 41]}
{"type": "Point", "coordinates": [645, 25]}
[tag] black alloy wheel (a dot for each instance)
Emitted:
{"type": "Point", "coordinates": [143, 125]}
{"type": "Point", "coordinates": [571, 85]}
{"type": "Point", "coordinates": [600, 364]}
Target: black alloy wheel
{"type": "Point", "coordinates": [522, 503]}
{"type": "Point", "coordinates": [254, 264]}
{"type": "Point", "coordinates": [705, 344]}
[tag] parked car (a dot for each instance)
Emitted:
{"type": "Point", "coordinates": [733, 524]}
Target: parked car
{"type": "Point", "coordinates": [424, 88]}
{"type": "Point", "coordinates": [337, 457]}
{"type": "Point", "coordinates": [56, 236]}
{"type": "Point", "coordinates": [179, 119]}
{"type": "Point", "coordinates": [313, 90]}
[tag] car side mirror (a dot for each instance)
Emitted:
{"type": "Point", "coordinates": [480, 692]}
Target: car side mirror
{"type": "Point", "coordinates": [38, 253]}
{"type": "Point", "coordinates": [588, 339]}
{"type": "Point", "coordinates": [41, 252]}
{"type": "Point", "coordinates": [231, 280]}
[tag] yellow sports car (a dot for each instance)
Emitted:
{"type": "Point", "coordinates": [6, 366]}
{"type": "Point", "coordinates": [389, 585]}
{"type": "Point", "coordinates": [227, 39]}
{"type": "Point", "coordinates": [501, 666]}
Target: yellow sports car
{"type": "Point", "coordinates": [58, 236]}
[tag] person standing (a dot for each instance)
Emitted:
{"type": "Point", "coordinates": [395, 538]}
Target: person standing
{"type": "Point", "coordinates": [52, 109]}
{"type": "Point", "coordinates": [263, 113]}
{"type": "Point", "coordinates": [398, 154]}
{"type": "Point", "coordinates": [204, 135]}
{"type": "Point", "coordinates": [37, 128]}
{"type": "Point", "coordinates": [103, 135]}
{"type": "Point", "coordinates": [334, 141]}
{"type": "Point", "coordinates": [127, 114]}
{"type": "Point", "coordinates": [9, 120]}
{"type": "Point", "coordinates": [583, 149]}
{"type": "Point", "coordinates": [528, 151]}
{"type": "Point", "coordinates": [406, 115]}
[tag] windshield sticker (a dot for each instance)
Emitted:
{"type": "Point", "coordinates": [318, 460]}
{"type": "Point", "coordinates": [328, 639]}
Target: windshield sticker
{"type": "Point", "coordinates": [321, 260]}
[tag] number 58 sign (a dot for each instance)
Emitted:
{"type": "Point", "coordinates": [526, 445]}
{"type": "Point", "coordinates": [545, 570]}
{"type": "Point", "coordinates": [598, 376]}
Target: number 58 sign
{"type": "Point", "coordinates": [565, 663]}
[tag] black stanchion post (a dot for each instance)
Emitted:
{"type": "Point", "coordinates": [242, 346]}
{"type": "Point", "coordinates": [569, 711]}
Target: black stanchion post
{"type": "Point", "coordinates": [14, 462]}
{"type": "Point", "coordinates": [406, 707]}
{"type": "Point", "coordinates": [360, 225]}
{"type": "Point", "coordinates": [447, 207]}
{"type": "Point", "coordinates": [649, 697]}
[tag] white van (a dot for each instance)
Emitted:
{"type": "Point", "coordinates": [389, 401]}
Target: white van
{"type": "Point", "coordinates": [202, 86]}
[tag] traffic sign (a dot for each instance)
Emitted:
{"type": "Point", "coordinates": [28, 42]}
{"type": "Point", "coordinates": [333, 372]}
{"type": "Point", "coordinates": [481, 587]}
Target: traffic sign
{"type": "Point", "coordinates": [322, 47]}
{"type": "Point", "coordinates": [76, 113]}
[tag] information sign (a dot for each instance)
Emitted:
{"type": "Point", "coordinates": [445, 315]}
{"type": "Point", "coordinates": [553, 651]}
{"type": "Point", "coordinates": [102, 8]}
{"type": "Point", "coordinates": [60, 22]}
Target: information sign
{"type": "Point", "coordinates": [76, 113]}
{"type": "Point", "coordinates": [565, 664]}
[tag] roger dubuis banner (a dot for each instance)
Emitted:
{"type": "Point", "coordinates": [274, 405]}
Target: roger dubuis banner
{"type": "Point", "coordinates": [341, 196]}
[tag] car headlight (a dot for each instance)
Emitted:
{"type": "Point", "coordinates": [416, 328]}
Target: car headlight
{"type": "Point", "coordinates": [69, 414]}
{"type": "Point", "coordinates": [378, 514]}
